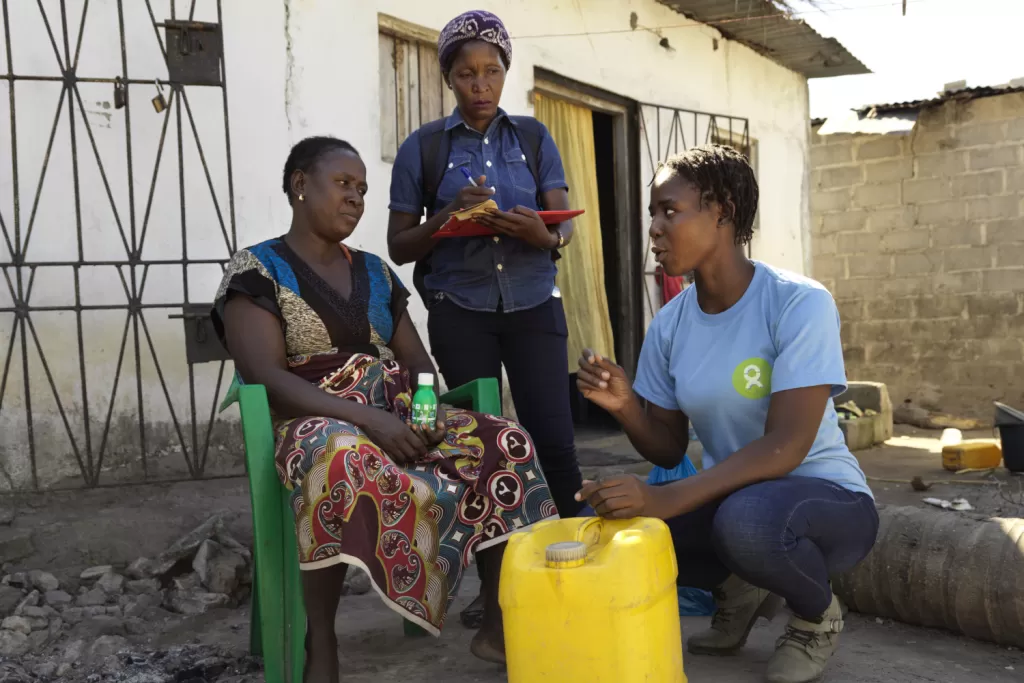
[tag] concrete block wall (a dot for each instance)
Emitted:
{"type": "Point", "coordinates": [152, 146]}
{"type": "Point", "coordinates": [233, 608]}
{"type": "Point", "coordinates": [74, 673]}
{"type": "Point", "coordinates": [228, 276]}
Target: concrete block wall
{"type": "Point", "coordinates": [920, 237]}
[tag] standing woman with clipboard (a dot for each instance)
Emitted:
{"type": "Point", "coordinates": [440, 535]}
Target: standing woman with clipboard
{"type": "Point", "coordinates": [491, 301]}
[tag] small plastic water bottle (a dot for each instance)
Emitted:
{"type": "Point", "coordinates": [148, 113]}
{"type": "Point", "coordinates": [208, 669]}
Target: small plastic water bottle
{"type": "Point", "coordinates": [424, 402]}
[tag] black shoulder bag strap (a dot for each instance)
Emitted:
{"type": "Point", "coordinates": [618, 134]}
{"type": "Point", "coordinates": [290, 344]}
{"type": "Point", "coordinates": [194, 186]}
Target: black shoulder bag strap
{"type": "Point", "coordinates": [435, 143]}
{"type": "Point", "coordinates": [530, 132]}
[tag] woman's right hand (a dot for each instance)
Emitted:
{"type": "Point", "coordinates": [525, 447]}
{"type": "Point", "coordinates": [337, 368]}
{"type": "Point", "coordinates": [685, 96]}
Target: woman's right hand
{"type": "Point", "coordinates": [602, 382]}
{"type": "Point", "coordinates": [394, 437]}
{"type": "Point", "coordinates": [471, 195]}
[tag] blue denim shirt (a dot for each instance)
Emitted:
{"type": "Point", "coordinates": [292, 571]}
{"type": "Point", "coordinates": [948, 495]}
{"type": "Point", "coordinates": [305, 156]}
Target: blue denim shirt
{"type": "Point", "coordinates": [478, 272]}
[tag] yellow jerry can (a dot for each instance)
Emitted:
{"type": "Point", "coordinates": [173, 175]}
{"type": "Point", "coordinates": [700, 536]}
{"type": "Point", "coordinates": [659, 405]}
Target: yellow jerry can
{"type": "Point", "coordinates": [971, 455]}
{"type": "Point", "coordinates": [590, 600]}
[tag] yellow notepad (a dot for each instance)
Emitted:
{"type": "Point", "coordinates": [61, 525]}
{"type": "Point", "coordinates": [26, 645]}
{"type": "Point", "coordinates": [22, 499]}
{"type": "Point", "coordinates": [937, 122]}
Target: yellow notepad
{"type": "Point", "coordinates": [474, 211]}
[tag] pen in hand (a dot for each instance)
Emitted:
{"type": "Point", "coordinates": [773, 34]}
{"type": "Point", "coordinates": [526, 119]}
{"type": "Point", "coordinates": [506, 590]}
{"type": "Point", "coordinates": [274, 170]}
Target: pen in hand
{"type": "Point", "coordinates": [469, 176]}
{"type": "Point", "coordinates": [473, 193]}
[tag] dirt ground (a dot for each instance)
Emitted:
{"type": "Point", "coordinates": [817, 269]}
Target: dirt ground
{"type": "Point", "coordinates": [917, 453]}
{"type": "Point", "coordinates": [870, 653]}
{"type": "Point", "coordinates": [66, 532]}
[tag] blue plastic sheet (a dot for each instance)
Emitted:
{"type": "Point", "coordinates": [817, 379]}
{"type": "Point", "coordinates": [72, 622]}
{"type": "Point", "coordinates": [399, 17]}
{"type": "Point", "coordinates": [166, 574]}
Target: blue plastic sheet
{"type": "Point", "coordinates": [660, 475]}
{"type": "Point", "coordinates": [693, 602]}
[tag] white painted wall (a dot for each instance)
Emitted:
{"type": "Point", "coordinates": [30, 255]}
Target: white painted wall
{"type": "Point", "coordinates": [298, 68]}
{"type": "Point", "coordinates": [600, 50]}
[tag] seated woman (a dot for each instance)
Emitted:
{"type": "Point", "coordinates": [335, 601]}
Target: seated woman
{"type": "Point", "coordinates": [752, 355]}
{"type": "Point", "coordinates": [325, 329]}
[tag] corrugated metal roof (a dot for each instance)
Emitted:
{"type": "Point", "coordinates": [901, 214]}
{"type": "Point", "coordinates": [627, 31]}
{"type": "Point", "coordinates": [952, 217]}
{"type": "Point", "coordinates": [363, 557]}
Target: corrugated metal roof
{"type": "Point", "coordinates": [762, 26]}
{"type": "Point", "coordinates": [962, 95]}
{"type": "Point", "coordinates": [859, 123]}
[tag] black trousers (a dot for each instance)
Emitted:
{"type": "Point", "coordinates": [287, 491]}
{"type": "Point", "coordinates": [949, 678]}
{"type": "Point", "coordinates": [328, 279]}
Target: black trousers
{"type": "Point", "coordinates": [469, 345]}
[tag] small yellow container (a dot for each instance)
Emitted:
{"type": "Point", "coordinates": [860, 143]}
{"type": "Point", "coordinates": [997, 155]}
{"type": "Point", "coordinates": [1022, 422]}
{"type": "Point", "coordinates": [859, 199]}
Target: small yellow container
{"type": "Point", "coordinates": [971, 455]}
{"type": "Point", "coordinates": [589, 600]}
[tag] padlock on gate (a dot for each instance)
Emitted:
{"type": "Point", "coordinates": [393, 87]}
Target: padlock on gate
{"type": "Point", "coordinates": [119, 93]}
{"type": "Point", "coordinates": [159, 103]}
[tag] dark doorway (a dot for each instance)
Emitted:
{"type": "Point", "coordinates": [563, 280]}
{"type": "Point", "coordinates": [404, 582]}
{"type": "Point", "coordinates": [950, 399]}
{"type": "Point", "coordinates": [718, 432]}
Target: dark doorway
{"type": "Point", "coordinates": [617, 160]}
{"type": "Point", "coordinates": [604, 148]}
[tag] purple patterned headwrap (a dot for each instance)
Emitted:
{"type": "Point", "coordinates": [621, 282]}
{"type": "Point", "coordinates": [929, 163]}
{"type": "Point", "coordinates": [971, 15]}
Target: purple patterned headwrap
{"type": "Point", "coordinates": [473, 25]}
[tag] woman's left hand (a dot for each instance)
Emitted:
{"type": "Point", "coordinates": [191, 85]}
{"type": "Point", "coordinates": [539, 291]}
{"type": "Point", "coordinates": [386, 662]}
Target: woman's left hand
{"type": "Point", "coordinates": [623, 497]}
{"type": "Point", "coordinates": [431, 437]}
{"type": "Point", "coordinates": [522, 223]}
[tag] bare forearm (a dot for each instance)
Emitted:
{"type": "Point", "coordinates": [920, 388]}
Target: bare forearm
{"type": "Point", "coordinates": [415, 243]}
{"type": "Point", "coordinates": [773, 456]}
{"type": "Point", "coordinates": [558, 200]}
{"type": "Point", "coordinates": [651, 438]}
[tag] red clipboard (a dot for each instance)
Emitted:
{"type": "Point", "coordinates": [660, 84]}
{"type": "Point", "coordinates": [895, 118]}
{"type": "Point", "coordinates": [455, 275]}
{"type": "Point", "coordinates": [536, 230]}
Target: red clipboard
{"type": "Point", "coordinates": [457, 228]}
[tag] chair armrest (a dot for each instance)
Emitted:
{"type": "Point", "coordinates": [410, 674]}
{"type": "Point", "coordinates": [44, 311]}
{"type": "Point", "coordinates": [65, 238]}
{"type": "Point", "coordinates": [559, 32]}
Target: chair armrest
{"type": "Point", "coordinates": [482, 395]}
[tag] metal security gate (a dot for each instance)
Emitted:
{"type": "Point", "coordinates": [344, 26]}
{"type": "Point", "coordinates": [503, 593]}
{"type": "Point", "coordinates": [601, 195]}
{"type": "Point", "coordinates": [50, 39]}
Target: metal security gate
{"type": "Point", "coordinates": [666, 131]}
{"type": "Point", "coordinates": [117, 215]}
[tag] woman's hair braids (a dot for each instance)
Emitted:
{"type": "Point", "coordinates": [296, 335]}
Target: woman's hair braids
{"type": "Point", "coordinates": [723, 175]}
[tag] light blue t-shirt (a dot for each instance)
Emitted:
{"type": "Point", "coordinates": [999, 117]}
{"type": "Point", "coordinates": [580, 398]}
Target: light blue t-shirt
{"type": "Point", "coordinates": [721, 369]}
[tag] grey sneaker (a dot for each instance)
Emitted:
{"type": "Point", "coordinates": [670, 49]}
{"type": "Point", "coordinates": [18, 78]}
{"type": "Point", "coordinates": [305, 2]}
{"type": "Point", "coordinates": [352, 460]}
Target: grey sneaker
{"type": "Point", "coordinates": [802, 653]}
{"type": "Point", "coordinates": [739, 605]}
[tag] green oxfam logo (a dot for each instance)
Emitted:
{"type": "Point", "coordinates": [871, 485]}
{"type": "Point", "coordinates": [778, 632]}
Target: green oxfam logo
{"type": "Point", "coordinates": [753, 378]}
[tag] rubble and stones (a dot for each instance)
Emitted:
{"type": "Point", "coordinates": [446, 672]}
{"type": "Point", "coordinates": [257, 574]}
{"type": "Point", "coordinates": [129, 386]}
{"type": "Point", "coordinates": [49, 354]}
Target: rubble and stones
{"type": "Point", "coordinates": [9, 599]}
{"type": "Point", "coordinates": [88, 629]}
{"type": "Point", "coordinates": [93, 573]}
{"type": "Point", "coordinates": [194, 603]}
{"type": "Point", "coordinates": [139, 569]}
{"type": "Point", "coordinates": [13, 643]}
{"type": "Point", "coordinates": [110, 583]}
{"type": "Point", "coordinates": [91, 598]}
{"type": "Point", "coordinates": [142, 586]}
{"type": "Point", "coordinates": [57, 598]}
{"type": "Point", "coordinates": [43, 581]}
{"type": "Point", "coordinates": [19, 624]}
{"type": "Point", "coordinates": [220, 568]}
{"type": "Point", "coordinates": [104, 646]}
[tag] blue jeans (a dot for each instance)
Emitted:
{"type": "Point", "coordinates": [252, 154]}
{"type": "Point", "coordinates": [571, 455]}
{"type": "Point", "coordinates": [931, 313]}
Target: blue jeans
{"type": "Point", "coordinates": [787, 536]}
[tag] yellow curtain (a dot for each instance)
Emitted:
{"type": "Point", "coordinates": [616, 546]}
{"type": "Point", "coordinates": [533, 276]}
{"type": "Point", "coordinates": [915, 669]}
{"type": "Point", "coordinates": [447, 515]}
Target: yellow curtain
{"type": "Point", "coordinates": [581, 269]}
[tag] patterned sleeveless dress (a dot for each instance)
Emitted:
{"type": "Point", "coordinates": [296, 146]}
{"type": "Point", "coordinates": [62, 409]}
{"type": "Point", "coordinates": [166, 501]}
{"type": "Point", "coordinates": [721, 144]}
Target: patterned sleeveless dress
{"type": "Point", "coordinates": [413, 529]}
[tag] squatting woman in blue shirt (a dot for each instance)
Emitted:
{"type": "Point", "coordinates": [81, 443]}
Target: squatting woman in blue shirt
{"type": "Point", "coordinates": [491, 301]}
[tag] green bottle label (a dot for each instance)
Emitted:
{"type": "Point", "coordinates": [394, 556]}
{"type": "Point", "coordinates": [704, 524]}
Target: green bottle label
{"type": "Point", "coordinates": [424, 408]}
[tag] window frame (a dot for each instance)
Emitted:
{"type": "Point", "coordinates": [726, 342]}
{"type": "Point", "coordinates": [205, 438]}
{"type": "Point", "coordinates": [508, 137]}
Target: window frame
{"type": "Point", "coordinates": [409, 73]}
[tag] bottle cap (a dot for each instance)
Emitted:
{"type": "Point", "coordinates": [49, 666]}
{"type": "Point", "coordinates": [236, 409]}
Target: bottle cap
{"type": "Point", "coordinates": [426, 379]}
{"type": "Point", "coordinates": [566, 554]}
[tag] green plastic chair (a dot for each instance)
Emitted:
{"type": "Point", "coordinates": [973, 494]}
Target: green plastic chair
{"type": "Point", "coordinates": [278, 617]}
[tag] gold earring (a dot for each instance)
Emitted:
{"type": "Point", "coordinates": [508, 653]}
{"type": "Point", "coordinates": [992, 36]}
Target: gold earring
{"type": "Point", "coordinates": [302, 197]}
